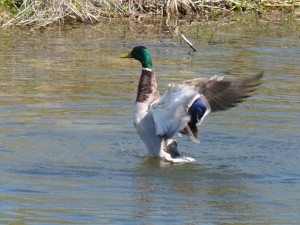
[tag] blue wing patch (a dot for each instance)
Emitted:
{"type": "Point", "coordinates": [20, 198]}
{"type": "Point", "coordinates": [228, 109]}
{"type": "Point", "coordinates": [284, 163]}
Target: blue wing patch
{"type": "Point", "coordinates": [197, 111]}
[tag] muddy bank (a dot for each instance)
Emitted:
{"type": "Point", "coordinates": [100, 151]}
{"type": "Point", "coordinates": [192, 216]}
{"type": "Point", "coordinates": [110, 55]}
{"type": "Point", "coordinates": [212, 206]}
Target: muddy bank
{"type": "Point", "coordinates": [38, 14]}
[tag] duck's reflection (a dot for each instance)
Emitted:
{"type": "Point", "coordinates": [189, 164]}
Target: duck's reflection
{"type": "Point", "coordinates": [189, 192]}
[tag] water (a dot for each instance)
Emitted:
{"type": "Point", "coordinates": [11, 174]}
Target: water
{"type": "Point", "coordinates": [70, 154]}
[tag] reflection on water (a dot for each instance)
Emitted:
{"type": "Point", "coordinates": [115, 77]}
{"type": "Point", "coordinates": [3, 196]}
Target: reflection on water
{"type": "Point", "coordinates": [69, 153]}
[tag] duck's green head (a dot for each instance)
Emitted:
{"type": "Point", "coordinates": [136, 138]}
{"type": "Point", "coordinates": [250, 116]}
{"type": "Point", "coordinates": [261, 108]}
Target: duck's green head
{"type": "Point", "coordinates": [141, 54]}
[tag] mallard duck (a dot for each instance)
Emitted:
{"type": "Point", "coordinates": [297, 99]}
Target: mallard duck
{"type": "Point", "coordinates": [182, 107]}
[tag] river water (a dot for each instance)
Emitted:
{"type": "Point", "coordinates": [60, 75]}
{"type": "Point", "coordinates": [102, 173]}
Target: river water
{"type": "Point", "coordinates": [69, 153]}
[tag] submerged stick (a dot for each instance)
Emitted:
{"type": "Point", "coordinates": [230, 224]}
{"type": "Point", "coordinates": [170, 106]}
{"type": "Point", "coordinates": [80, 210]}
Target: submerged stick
{"type": "Point", "coordinates": [188, 42]}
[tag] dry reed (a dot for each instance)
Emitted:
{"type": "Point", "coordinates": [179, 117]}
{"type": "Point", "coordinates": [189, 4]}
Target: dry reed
{"type": "Point", "coordinates": [39, 13]}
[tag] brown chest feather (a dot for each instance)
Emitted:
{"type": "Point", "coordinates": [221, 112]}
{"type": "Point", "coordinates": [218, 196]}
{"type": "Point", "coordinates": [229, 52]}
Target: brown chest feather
{"type": "Point", "coordinates": [147, 87]}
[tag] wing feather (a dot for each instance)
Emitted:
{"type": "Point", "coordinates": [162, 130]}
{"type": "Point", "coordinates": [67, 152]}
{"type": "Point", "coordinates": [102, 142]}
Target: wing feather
{"type": "Point", "coordinates": [224, 94]}
{"type": "Point", "coordinates": [170, 112]}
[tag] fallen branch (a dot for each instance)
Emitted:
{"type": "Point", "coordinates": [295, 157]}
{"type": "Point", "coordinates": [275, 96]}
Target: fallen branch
{"type": "Point", "coordinates": [188, 42]}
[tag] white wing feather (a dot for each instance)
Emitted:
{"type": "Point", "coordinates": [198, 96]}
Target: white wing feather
{"type": "Point", "coordinates": [170, 112]}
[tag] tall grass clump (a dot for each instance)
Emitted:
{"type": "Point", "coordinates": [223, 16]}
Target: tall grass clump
{"type": "Point", "coordinates": [40, 13]}
{"type": "Point", "coordinates": [44, 12]}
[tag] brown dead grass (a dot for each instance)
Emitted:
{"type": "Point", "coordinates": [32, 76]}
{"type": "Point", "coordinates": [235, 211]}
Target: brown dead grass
{"type": "Point", "coordinates": [41, 13]}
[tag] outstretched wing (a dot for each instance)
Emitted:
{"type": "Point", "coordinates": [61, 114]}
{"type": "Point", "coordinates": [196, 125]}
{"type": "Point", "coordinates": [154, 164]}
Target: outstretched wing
{"type": "Point", "coordinates": [223, 94]}
{"type": "Point", "coordinates": [171, 112]}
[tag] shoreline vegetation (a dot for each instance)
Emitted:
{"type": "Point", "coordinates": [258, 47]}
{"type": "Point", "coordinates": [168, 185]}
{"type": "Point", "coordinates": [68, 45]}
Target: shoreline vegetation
{"type": "Point", "coordinates": [43, 13]}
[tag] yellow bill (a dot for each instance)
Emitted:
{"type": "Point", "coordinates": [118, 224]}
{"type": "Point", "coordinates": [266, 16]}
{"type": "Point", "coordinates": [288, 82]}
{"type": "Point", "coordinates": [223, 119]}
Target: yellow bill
{"type": "Point", "coordinates": [127, 55]}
